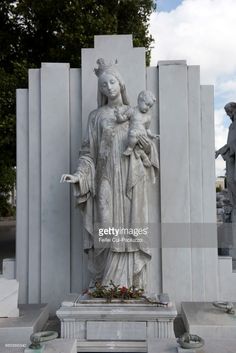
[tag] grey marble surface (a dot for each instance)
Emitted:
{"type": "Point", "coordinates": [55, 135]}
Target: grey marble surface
{"type": "Point", "coordinates": [185, 212]}
{"type": "Point", "coordinates": [31, 319]}
{"type": "Point", "coordinates": [9, 289]}
{"type": "Point", "coordinates": [211, 346]}
{"type": "Point", "coordinates": [56, 346]}
{"type": "Point", "coordinates": [112, 179]}
{"type": "Point", "coordinates": [117, 325]}
{"type": "Point", "coordinates": [203, 319]}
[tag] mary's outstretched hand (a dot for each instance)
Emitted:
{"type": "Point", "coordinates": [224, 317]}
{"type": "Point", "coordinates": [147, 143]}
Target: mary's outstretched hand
{"type": "Point", "coordinates": [69, 178]}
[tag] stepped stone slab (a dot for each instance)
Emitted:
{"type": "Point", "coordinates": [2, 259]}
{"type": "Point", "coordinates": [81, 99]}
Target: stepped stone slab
{"type": "Point", "coordinates": [17, 330]}
{"type": "Point", "coordinates": [203, 319]}
{"type": "Point", "coordinates": [211, 346]}
{"type": "Point", "coordinates": [56, 346]}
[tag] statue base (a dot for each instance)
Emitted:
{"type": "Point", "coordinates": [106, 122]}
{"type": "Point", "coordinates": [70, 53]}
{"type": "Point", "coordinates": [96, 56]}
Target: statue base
{"type": "Point", "coordinates": [99, 326]}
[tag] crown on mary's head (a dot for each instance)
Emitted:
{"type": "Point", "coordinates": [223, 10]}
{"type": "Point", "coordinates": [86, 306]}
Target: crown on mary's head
{"type": "Point", "coordinates": [102, 66]}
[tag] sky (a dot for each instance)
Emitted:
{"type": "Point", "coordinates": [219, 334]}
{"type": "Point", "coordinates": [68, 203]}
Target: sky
{"type": "Point", "coordinates": [203, 32]}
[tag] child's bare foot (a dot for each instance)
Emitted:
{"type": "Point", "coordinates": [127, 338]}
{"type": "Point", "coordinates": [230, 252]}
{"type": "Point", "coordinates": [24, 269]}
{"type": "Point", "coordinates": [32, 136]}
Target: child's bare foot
{"type": "Point", "coordinates": [128, 151]}
{"type": "Point", "coordinates": [146, 162]}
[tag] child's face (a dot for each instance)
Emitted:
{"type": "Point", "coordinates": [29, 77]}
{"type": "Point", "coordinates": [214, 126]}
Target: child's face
{"type": "Point", "coordinates": [143, 105]}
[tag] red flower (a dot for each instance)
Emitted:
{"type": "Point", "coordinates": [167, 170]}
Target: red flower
{"type": "Point", "coordinates": [123, 290]}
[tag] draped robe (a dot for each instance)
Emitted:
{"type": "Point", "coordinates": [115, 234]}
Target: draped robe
{"type": "Point", "coordinates": [112, 191]}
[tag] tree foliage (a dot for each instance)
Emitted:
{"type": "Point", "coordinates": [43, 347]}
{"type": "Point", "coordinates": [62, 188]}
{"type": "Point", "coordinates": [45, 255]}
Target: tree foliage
{"type": "Point", "coordinates": [33, 31]}
{"type": "Point", "coordinates": [56, 30]}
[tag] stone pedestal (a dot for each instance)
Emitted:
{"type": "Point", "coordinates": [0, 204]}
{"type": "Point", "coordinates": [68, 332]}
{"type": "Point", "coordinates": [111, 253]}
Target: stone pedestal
{"type": "Point", "coordinates": [99, 326]}
{"type": "Point", "coordinates": [204, 320]}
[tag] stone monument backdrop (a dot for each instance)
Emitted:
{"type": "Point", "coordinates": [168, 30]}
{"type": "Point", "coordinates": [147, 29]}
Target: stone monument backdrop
{"type": "Point", "coordinates": [51, 122]}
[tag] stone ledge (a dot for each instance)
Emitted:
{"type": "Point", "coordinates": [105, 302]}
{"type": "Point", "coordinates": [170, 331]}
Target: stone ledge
{"type": "Point", "coordinates": [112, 346]}
{"type": "Point", "coordinates": [18, 330]}
{"type": "Point", "coordinates": [211, 346]}
{"type": "Point", "coordinates": [172, 62]}
{"type": "Point", "coordinates": [203, 319]}
{"type": "Point", "coordinates": [55, 346]}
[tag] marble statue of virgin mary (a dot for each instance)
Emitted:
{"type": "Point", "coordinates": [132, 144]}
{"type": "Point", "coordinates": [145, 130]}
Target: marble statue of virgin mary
{"type": "Point", "coordinates": [111, 188]}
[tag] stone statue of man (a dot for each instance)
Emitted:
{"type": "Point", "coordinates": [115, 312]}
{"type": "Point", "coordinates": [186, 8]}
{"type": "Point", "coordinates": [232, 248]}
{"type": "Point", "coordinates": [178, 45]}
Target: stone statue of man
{"type": "Point", "coordinates": [228, 153]}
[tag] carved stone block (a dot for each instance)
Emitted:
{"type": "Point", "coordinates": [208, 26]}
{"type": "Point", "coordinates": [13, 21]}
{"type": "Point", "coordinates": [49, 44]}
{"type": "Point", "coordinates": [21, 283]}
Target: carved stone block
{"type": "Point", "coordinates": [99, 325]}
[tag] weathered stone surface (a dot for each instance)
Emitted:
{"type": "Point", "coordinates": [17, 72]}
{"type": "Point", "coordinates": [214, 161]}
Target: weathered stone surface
{"type": "Point", "coordinates": [56, 346]}
{"type": "Point", "coordinates": [189, 237]}
{"type": "Point", "coordinates": [55, 203]}
{"type": "Point", "coordinates": [9, 268]}
{"type": "Point", "coordinates": [114, 323]}
{"type": "Point", "coordinates": [210, 346]}
{"type": "Point", "coordinates": [204, 320]}
{"type": "Point", "coordinates": [118, 160]}
{"type": "Point", "coordinates": [22, 200]}
{"type": "Point", "coordinates": [9, 298]}
{"type": "Point", "coordinates": [32, 318]}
